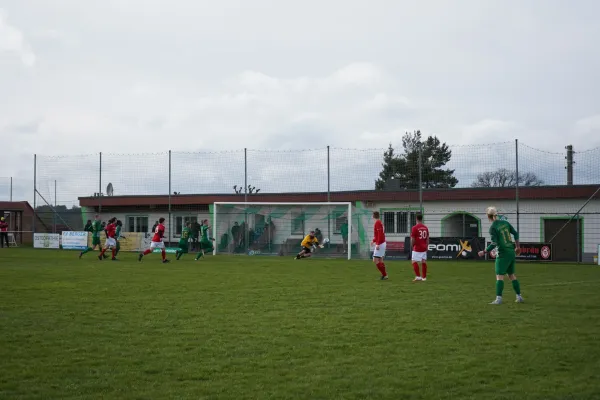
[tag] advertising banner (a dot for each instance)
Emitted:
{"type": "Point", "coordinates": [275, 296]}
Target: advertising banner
{"type": "Point", "coordinates": [74, 240]}
{"type": "Point", "coordinates": [455, 248]}
{"type": "Point", "coordinates": [531, 251]}
{"type": "Point", "coordinates": [131, 241]}
{"type": "Point", "coordinates": [46, 240]}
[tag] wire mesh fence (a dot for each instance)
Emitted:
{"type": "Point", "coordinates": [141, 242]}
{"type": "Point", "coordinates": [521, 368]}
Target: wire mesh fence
{"type": "Point", "coordinates": [420, 166]}
{"type": "Point", "coordinates": [67, 178]}
{"type": "Point", "coordinates": [6, 188]}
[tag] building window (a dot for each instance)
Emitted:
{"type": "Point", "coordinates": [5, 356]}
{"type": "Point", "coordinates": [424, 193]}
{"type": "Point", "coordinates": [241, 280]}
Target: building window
{"type": "Point", "coordinates": [399, 222]}
{"type": "Point", "coordinates": [137, 224]}
{"type": "Point", "coordinates": [181, 221]}
{"type": "Point", "coordinates": [297, 223]}
{"type": "Point", "coordinates": [389, 222]}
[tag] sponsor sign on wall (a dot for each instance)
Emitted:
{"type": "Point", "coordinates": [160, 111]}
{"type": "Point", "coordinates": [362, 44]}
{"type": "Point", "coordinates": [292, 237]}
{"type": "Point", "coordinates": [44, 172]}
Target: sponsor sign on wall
{"type": "Point", "coordinates": [531, 251]}
{"type": "Point", "coordinates": [131, 241]}
{"type": "Point", "coordinates": [46, 240]}
{"type": "Point", "coordinates": [74, 240]}
{"type": "Point", "coordinates": [455, 248]}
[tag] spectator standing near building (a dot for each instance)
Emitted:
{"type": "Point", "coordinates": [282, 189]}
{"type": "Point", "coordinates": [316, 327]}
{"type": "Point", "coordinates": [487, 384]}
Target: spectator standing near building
{"type": "Point", "coordinates": [3, 232]}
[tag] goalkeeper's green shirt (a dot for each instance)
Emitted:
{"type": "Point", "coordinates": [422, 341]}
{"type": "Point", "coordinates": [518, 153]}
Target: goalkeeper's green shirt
{"type": "Point", "coordinates": [96, 229]}
{"type": "Point", "coordinates": [500, 232]}
{"type": "Point", "coordinates": [118, 232]}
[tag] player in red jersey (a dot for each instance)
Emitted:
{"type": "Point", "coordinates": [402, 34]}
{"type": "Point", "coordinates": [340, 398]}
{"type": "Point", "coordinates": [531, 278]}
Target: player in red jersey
{"type": "Point", "coordinates": [157, 241]}
{"type": "Point", "coordinates": [419, 242]}
{"type": "Point", "coordinates": [379, 242]}
{"type": "Point", "coordinates": [111, 241]}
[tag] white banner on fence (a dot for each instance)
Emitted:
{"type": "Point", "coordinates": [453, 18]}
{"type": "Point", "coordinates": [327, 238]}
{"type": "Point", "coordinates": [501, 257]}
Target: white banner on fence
{"type": "Point", "coordinates": [74, 240]}
{"type": "Point", "coordinates": [46, 240]}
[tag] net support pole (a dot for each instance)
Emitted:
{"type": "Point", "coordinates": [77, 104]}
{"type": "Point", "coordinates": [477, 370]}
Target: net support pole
{"type": "Point", "coordinates": [420, 178]}
{"type": "Point", "coordinates": [246, 228]}
{"type": "Point", "coordinates": [517, 183]}
{"type": "Point", "coordinates": [170, 225]}
{"type": "Point", "coordinates": [349, 231]}
{"type": "Point", "coordinates": [100, 185]}
{"type": "Point", "coordinates": [34, 193]}
{"type": "Point", "coordinates": [328, 177]}
{"type": "Point", "coordinates": [54, 214]}
{"type": "Point", "coordinates": [11, 188]}
{"type": "Point", "coordinates": [328, 197]}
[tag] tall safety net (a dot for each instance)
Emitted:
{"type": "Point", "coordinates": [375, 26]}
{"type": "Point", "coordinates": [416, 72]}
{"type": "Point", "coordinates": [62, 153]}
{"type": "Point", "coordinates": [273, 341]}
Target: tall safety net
{"type": "Point", "coordinates": [279, 228]}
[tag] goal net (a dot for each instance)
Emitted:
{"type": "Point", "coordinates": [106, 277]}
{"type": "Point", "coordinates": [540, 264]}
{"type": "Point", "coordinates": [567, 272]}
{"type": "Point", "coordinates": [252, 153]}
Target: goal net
{"type": "Point", "coordinates": [278, 228]}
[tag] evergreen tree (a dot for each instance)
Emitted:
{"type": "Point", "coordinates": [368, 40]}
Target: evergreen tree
{"type": "Point", "coordinates": [404, 168]}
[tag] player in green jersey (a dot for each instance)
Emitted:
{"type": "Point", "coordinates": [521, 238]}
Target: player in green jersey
{"type": "Point", "coordinates": [506, 252]}
{"type": "Point", "coordinates": [205, 240]}
{"type": "Point", "coordinates": [183, 241]}
{"type": "Point", "coordinates": [118, 236]}
{"type": "Point", "coordinates": [96, 228]}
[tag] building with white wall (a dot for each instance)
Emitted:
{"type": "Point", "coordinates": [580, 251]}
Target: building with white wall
{"type": "Point", "coordinates": [541, 214]}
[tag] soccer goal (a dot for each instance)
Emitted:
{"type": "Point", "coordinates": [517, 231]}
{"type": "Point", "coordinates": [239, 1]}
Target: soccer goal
{"type": "Point", "coordinates": [256, 228]}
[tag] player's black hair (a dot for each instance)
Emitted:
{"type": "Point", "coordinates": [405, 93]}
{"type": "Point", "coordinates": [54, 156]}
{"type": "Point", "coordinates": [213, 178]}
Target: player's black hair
{"type": "Point", "coordinates": [419, 217]}
{"type": "Point", "coordinates": [161, 220]}
{"type": "Point", "coordinates": [376, 214]}
{"type": "Point", "coordinates": [119, 223]}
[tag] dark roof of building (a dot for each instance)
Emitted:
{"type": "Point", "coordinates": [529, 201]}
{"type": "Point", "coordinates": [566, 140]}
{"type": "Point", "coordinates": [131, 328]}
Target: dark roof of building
{"type": "Point", "coordinates": [525, 193]}
{"type": "Point", "coordinates": [16, 206]}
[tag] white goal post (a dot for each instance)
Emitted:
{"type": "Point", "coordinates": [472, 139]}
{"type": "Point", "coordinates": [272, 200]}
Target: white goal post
{"type": "Point", "coordinates": [282, 210]}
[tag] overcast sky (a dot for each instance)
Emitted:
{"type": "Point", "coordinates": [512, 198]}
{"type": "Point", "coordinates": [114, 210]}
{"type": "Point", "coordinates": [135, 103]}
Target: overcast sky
{"type": "Point", "coordinates": [83, 76]}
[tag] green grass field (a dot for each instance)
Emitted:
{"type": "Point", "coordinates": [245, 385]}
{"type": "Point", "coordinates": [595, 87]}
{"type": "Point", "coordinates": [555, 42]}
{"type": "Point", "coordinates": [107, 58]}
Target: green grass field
{"type": "Point", "coordinates": [274, 328]}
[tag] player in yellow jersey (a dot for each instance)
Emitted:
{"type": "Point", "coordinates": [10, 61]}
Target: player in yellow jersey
{"type": "Point", "coordinates": [309, 243]}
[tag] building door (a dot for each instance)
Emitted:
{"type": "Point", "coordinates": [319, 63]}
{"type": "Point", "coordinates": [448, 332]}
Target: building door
{"type": "Point", "coordinates": [564, 245]}
{"type": "Point", "coordinates": [460, 225]}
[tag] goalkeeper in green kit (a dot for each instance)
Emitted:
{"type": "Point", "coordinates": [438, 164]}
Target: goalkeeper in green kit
{"type": "Point", "coordinates": [205, 241]}
{"type": "Point", "coordinates": [95, 229]}
{"type": "Point", "coordinates": [183, 241]}
{"type": "Point", "coordinates": [506, 253]}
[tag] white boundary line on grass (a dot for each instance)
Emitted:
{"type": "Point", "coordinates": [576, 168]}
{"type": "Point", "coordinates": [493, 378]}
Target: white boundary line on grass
{"type": "Point", "coordinates": [563, 283]}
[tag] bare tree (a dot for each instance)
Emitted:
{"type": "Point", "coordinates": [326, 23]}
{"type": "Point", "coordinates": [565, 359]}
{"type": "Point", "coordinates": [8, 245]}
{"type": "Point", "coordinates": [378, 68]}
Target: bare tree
{"type": "Point", "coordinates": [503, 177]}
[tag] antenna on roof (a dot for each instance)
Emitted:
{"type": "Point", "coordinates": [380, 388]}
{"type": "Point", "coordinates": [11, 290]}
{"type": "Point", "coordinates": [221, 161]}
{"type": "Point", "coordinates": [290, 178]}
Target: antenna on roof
{"type": "Point", "coordinates": [109, 189]}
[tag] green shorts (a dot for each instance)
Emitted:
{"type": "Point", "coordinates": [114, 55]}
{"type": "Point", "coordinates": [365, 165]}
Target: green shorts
{"type": "Point", "coordinates": [206, 245]}
{"type": "Point", "coordinates": [183, 248]}
{"type": "Point", "coordinates": [505, 265]}
{"type": "Point", "coordinates": [95, 241]}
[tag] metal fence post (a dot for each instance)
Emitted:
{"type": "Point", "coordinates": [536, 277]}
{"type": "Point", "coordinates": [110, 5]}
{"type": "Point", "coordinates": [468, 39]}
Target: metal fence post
{"type": "Point", "coordinates": [34, 195]}
{"type": "Point", "coordinates": [54, 213]}
{"type": "Point", "coordinates": [246, 228]}
{"type": "Point", "coordinates": [170, 225]}
{"type": "Point", "coordinates": [517, 182]}
{"type": "Point", "coordinates": [100, 186]}
{"type": "Point", "coordinates": [328, 177]}
{"type": "Point", "coordinates": [329, 197]}
{"type": "Point", "coordinates": [421, 177]}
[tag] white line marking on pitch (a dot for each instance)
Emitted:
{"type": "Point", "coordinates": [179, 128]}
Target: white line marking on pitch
{"type": "Point", "coordinates": [563, 283]}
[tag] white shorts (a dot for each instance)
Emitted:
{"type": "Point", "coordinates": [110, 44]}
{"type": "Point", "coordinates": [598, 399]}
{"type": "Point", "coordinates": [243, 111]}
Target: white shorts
{"type": "Point", "coordinates": [419, 256]}
{"type": "Point", "coordinates": [110, 242]}
{"type": "Point", "coordinates": [160, 245]}
{"type": "Point", "coordinates": [380, 252]}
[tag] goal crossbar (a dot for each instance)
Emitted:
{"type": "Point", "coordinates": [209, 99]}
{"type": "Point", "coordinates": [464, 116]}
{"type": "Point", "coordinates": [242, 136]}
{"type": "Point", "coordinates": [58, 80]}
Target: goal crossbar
{"type": "Point", "coordinates": [263, 203]}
